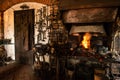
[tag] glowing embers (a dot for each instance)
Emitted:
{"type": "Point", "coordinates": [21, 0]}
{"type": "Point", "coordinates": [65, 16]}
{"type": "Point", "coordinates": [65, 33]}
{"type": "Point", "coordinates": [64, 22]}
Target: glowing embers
{"type": "Point", "coordinates": [86, 40]}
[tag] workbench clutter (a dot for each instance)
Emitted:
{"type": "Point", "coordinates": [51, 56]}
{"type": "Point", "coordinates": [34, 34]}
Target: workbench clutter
{"type": "Point", "coordinates": [3, 56]}
{"type": "Point", "coordinates": [3, 53]}
{"type": "Point", "coordinates": [41, 23]}
{"type": "Point", "coordinates": [50, 28]}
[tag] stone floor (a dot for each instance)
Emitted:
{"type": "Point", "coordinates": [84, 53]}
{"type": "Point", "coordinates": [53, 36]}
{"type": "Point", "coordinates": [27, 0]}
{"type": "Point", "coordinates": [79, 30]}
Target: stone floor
{"type": "Point", "coordinates": [23, 73]}
{"type": "Point", "coordinates": [26, 73]}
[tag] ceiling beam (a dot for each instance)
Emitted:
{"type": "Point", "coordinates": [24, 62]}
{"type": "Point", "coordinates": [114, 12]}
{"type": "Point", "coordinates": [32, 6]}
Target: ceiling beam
{"type": "Point", "coordinates": [76, 4]}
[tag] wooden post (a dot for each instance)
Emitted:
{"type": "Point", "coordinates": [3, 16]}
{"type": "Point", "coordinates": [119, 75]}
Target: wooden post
{"type": "Point", "coordinates": [1, 25]}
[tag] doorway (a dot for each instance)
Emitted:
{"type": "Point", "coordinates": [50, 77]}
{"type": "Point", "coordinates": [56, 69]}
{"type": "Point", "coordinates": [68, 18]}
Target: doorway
{"type": "Point", "coordinates": [23, 31]}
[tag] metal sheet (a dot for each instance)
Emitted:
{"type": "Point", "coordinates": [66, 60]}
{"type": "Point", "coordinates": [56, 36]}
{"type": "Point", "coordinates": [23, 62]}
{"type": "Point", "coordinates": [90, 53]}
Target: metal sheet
{"type": "Point", "coordinates": [88, 28]}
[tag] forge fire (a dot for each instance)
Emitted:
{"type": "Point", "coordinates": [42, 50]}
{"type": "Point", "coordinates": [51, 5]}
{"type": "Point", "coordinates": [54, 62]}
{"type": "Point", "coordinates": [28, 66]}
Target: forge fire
{"type": "Point", "coordinates": [86, 40]}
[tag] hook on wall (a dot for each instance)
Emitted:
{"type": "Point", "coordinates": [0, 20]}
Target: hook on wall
{"type": "Point", "coordinates": [24, 6]}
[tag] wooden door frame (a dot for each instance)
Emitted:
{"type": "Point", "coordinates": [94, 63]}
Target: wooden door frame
{"type": "Point", "coordinates": [30, 31]}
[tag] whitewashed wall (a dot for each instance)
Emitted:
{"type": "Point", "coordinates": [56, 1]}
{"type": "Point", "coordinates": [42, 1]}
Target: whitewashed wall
{"type": "Point", "coordinates": [9, 25]}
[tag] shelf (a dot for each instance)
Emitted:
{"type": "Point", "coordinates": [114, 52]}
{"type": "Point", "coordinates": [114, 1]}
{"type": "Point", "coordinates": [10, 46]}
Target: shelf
{"type": "Point", "coordinates": [7, 44]}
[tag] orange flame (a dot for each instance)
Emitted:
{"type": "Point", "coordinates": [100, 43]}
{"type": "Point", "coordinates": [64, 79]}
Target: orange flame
{"type": "Point", "coordinates": [86, 40]}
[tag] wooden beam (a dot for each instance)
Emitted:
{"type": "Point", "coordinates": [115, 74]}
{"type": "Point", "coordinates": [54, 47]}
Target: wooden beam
{"type": "Point", "coordinates": [90, 15]}
{"type": "Point", "coordinates": [76, 4]}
